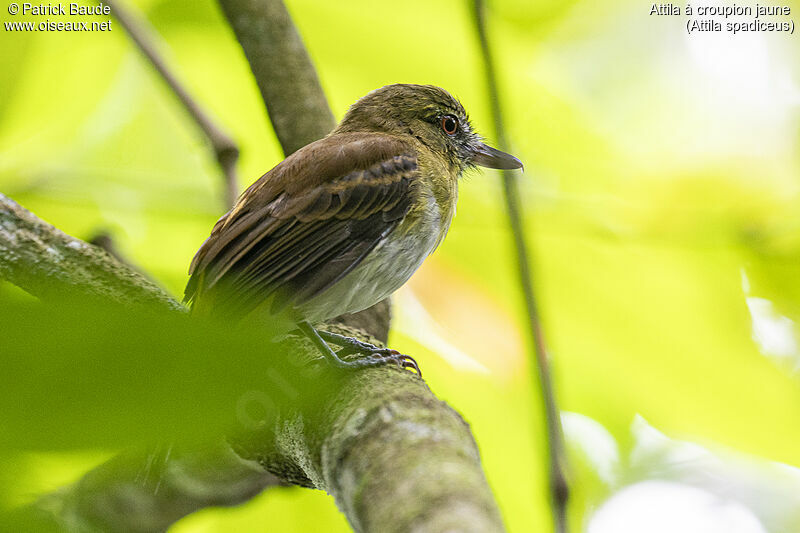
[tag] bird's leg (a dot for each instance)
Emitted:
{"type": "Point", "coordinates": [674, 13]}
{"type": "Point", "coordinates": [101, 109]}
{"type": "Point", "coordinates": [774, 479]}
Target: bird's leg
{"type": "Point", "coordinates": [375, 356]}
{"type": "Point", "coordinates": [352, 345]}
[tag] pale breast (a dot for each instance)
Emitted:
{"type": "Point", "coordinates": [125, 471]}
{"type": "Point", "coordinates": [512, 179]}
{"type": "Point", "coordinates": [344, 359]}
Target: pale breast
{"type": "Point", "coordinates": [387, 267]}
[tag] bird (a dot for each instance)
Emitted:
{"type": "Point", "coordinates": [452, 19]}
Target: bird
{"type": "Point", "coordinates": [343, 222]}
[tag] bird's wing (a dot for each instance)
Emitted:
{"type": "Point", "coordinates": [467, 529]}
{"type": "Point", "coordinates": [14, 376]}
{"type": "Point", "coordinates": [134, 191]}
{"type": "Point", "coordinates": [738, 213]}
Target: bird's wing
{"type": "Point", "coordinates": [304, 225]}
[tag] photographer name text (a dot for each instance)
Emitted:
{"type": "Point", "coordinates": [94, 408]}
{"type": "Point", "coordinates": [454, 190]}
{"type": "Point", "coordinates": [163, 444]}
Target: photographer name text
{"type": "Point", "coordinates": [59, 9]}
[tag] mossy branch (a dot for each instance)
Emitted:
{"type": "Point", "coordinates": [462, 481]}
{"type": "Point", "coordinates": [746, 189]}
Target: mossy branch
{"type": "Point", "coordinates": [50, 264]}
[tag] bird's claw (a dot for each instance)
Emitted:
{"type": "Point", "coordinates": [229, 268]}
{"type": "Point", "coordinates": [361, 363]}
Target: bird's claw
{"type": "Point", "coordinates": [374, 356]}
{"type": "Point", "coordinates": [384, 356]}
{"type": "Point", "coordinates": [402, 360]}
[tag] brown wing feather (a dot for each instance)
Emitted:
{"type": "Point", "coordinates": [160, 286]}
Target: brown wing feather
{"type": "Point", "coordinates": [291, 242]}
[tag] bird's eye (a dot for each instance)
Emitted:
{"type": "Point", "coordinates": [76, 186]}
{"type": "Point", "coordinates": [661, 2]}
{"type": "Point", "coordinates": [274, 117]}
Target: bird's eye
{"type": "Point", "coordinates": [449, 124]}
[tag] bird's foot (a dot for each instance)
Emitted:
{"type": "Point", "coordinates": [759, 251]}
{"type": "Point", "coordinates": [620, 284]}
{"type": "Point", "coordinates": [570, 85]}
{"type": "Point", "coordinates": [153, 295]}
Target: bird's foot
{"type": "Point", "coordinates": [379, 358]}
{"type": "Point", "coordinates": [375, 355]}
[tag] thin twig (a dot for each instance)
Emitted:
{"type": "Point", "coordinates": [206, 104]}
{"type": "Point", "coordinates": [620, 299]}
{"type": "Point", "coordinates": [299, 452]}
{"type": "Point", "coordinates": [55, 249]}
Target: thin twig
{"type": "Point", "coordinates": [224, 148]}
{"type": "Point", "coordinates": [557, 459]}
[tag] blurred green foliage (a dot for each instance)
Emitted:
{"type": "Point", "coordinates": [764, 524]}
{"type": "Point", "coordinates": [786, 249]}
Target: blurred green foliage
{"type": "Point", "coordinates": [662, 187]}
{"type": "Point", "coordinates": [108, 377]}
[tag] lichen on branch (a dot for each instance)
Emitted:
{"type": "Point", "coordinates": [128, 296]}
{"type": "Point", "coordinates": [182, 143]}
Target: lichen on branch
{"type": "Point", "coordinates": [50, 264]}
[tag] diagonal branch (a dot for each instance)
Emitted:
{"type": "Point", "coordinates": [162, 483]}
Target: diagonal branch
{"type": "Point", "coordinates": [394, 457]}
{"type": "Point", "coordinates": [283, 70]}
{"type": "Point", "coordinates": [128, 494]}
{"type": "Point", "coordinates": [225, 150]}
{"type": "Point", "coordinates": [50, 264]}
{"type": "Point", "coordinates": [557, 458]}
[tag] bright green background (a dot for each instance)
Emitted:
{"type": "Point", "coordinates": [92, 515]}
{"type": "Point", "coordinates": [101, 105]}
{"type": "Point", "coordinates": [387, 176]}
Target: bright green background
{"type": "Point", "coordinates": [662, 189]}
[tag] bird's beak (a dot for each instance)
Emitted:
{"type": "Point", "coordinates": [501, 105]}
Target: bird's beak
{"type": "Point", "coordinates": [486, 156]}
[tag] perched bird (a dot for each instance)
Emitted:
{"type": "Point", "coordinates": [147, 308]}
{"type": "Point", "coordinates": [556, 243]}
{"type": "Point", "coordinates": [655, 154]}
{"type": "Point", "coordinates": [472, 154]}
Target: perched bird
{"type": "Point", "coordinates": [345, 221]}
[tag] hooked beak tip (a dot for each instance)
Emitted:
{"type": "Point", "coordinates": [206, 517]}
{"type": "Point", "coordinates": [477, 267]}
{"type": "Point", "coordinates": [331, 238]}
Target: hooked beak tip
{"type": "Point", "coordinates": [486, 156]}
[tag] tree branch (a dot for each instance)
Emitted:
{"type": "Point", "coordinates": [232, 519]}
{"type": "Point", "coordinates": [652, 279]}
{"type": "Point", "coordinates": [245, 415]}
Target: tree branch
{"type": "Point", "coordinates": [283, 70]}
{"type": "Point", "coordinates": [50, 264]}
{"type": "Point", "coordinates": [131, 495]}
{"type": "Point", "coordinates": [559, 487]}
{"type": "Point", "coordinates": [394, 457]}
{"type": "Point", "coordinates": [225, 150]}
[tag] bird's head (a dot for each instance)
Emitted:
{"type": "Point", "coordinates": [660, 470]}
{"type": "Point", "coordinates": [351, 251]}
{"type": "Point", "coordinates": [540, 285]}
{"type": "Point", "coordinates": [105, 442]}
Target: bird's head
{"type": "Point", "coordinates": [429, 114]}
